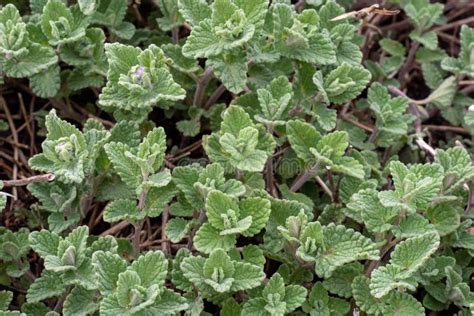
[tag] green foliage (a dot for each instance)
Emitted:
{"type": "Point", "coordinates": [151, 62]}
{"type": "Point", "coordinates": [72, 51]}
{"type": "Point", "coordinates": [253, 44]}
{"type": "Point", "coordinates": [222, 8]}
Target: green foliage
{"type": "Point", "coordinates": [240, 144]}
{"type": "Point", "coordinates": [276, 298]}
{"type": "Point", "coordinates": [136, 81]}
{"type": "Point", "coordinates": [322, 151]}
{"type": "Point", "coordinates": [220, 274]}
{"type": "Point", "coordinates": [235, 157]}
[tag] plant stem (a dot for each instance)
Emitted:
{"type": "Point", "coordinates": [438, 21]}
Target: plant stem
{"type": "Point", "coordinates": [165, 245]}
{"type": "Point", "coordinates": [47, 177]}
{"type": "Point", "coordinates": [201, 86]}
{"type": "Point", "coordinates": [373, 135]}
{"type": "Point", "coordinates": [301, 180]}
{"type": "Point", "coordinates": [175, 35]}
{"type": "Point", "coordinates": [215, 96]}
{"type": "Point", "coordinates": [136, 238]}
{"type": "Point", "coordinates": [201, 219]}
{"type": "Point", "coordinates": [325, 187]}
{"type": "Point", "coordinates": [138, 226]}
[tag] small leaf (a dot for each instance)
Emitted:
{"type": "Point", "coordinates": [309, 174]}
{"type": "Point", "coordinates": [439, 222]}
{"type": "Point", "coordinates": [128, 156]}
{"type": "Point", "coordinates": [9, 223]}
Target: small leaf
{"type": "Point", "coordinates": [151, 267]}
{"type": "Point", "coordinates": [107, 267]}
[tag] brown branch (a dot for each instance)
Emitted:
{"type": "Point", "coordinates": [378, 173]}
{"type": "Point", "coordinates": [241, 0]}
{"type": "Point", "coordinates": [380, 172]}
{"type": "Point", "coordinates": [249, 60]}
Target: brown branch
{"type": "Point", "coordinates": [47, 177]}
{"type": "Point", "coordinates": [358, 124]}
{"type": "Point", "coordinates": [447, 128]}
{"type": "Point", "coordinates": [16, 151]}
{"type": "Point", "coordinates": [115, 229]}
{"type": "Point", "coordinates": [454, 24]}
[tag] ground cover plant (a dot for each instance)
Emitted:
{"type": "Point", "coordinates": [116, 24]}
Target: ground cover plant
{"type": "Point", "coordinates": [236, 157]}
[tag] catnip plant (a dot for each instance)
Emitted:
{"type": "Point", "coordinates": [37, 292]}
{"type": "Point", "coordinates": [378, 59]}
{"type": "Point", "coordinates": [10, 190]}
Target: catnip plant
{"type": "Point", "coordinates": [237, 157]}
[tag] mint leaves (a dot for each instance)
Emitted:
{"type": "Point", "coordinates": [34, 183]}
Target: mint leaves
{"type": "Point", "coordinates": [236, 157]}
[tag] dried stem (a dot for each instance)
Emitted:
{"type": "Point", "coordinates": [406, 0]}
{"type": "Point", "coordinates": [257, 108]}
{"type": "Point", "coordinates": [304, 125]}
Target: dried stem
{"type": "Point", "coordinates": [47, 177]}
{"type": "Point", "coordinates": [425, 146]}
{"type": "Point", "coordinates": [115, 229]}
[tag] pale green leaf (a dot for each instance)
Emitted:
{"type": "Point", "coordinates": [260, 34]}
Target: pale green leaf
{"type": "Point", "coordinates": [107, 267]}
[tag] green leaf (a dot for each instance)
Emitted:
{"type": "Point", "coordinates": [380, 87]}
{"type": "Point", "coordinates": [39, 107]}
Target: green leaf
{"type": "Point", "coordinates": [218, 204]}
{"type": "Point", "coordinates": [392, 47]}
{"type": "Point", "coordinates": [14, 246]}
{"type": "Point", "coordinates": [403, 304]}
{"type": "Point", "coordinates": [5, 300]}
{"type": "Point", "coordinates": [168, 303]}
{"type": "Point", "coordinates": [257, 208]}
{"type": "Point", "coordinates": [295, 295]}
{"type": "Point", "coordinates": [332, 145]}
{"type": "Point", "coordinates": [428, 39]}
{"type": "Point", "coordinates": [341, 246]}
{"type": "Point", "coordinates": [64, 151]}
{"type": "Point", "coordinates": [110, 13]}
{"type": "Point", "coordinates": [411, 226]}
{"type": "Point", "coordinates": [375, 216]}
{"type": "Point", "coordinates": [178, 60]}
{"type": "Point", "coordinates": [208, 238]}
{"type": "Point", "coordinates": [87, 6]}
{"type": "Point", "coordinates": [234, 120]}
{"type": "Point", "coordinates": [128, 171]}
{"type": "Point", "coordinates": [364, 300]}
{"type": "Point", "coordinates": [177, 229]}
{"type": "Point", "coordinates": [46, 82]}
{"type": "Point", "coordinates": [137, 80]}
{"type": "Point", "coordinates": [231, 68]}
{"type": "Point", "coordinates": [151, 267]}
{"type": "Point", "coordinates": [241, 144]}
{"type": "Point", "coordinates": [443, 96]}
{"type": "Point", "coordinates": [231, 308]}
{"type": "Point", "coordinates": [387, 278]}
{"type": "Point", "coordinates": [44, 287]}
{"type": "Point", "coordinates": [462, 64]}
{"type": "Point", "coordinates": [118, 210]}
{"type": "Point", "coordinates": [45, 243]}
{"type": "Point", "coordinates": [3, 201]}
{"type": "Point", "coordinates": [405, 260]}
{"type": "Point", "coordinates": [80, 302]}
{"type": "Point", "coordinates": [107, 267]}
{"type": "Point", "coordinates": [246, 276]}
{"type": "Point", "coordinates": [415, 187]}
{"type": "Point", "coordinates": [344, 83]}
{"type": "Point", "coordinates": [35, 59]}
{"type": "Point", "coordinates": [60, 24]}
{"type": "Point", "coordinates": [445, 218]}
{"type": "Point", "coordinates": [194, 11]}
{"type": "Point", "coordinates": [412, 253]}
{"type": "Point", "coordinates": [302, 136]}
{"type": "Point", "coordinates": [340, 282]}
{"type": "Point", "coordinates": [222, 33]}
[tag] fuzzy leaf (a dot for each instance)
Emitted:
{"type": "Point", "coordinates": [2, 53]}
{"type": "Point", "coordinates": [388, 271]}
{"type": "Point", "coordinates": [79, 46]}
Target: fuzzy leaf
{"type": "Point", "coordinates": [405, 260]}
{"type": "Point", "coordinates": [107, 267]}
{"type": "Point", "coordinates": [80, 302]}
{"type": "Point", "coordinates": [151, 267]}
{"type": "Point", "coordinates": [207, 239]}
{"type": "Point", "coordinates": [345, 83]}
{"type": "Point", "coordinates": [343, 246]}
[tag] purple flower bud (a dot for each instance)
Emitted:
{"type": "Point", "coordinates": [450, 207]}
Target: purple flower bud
{"type": "Point", "coordinates": [140, 72]}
